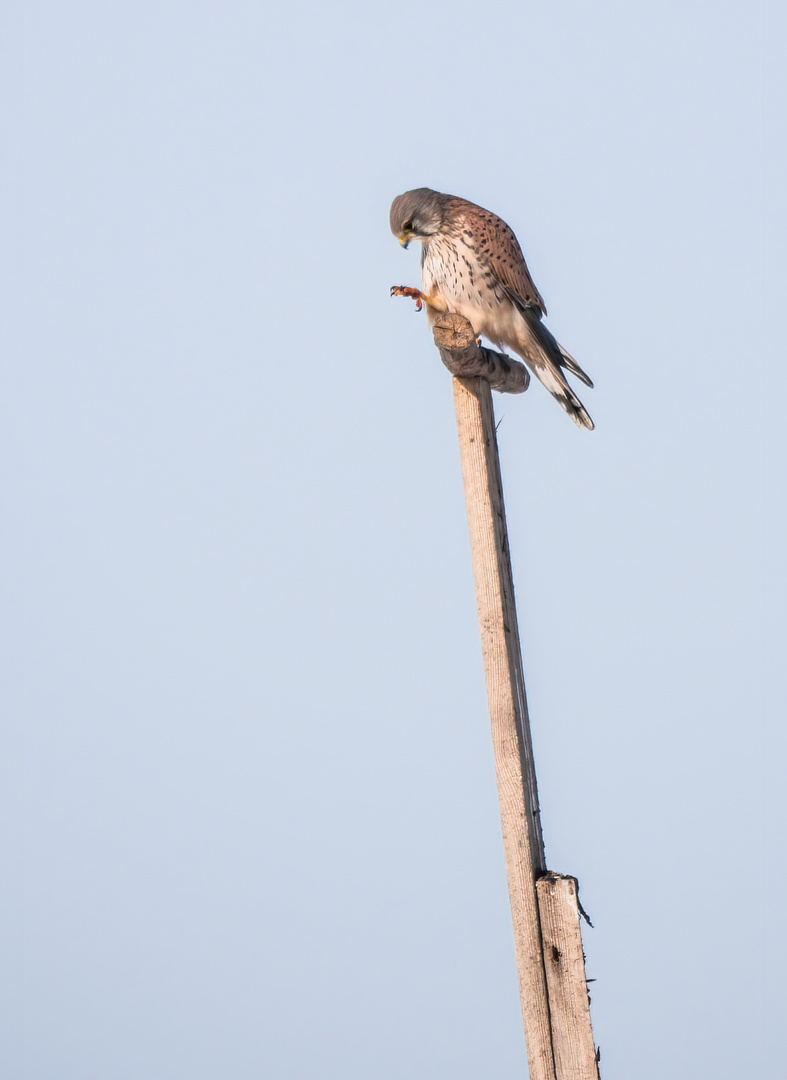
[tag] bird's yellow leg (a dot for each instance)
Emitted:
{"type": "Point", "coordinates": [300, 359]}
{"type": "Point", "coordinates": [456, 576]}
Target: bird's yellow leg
{"type": "Point", "coordinates": [435, 303]}
{"type": "Point", "coordinates": [414, 294]}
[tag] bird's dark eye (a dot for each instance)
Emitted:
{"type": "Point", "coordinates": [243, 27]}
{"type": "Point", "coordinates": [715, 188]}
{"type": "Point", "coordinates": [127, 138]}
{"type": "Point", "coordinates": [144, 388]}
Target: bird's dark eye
{"type": "Point", "coordinates": [408, 226]}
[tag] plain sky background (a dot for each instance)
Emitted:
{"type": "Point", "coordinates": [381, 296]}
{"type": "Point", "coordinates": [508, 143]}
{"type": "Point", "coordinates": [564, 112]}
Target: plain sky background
{"type": "Point", "coordinates": [250, 826]}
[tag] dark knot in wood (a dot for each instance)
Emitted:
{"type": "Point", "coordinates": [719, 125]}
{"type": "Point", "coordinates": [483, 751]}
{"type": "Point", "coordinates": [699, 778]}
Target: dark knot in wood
{"type": "Point", "coordinates": [464, 357]}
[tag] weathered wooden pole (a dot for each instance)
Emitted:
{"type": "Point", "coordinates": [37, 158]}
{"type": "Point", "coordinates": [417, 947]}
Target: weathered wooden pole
{"type": "Point", "coordinates": [564, 960]}
{"type": "Point", "coordinates": [550, 1021]}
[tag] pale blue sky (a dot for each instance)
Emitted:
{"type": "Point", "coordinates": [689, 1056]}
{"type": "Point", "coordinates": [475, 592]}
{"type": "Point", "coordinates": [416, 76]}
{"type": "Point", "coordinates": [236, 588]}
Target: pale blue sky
{"type": "Point", "coordinates": [249, 814]}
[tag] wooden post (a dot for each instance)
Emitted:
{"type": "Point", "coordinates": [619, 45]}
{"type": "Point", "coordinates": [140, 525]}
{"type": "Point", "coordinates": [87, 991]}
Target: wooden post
{"type": "Point", "coordinates": [516, 779]}
{"type": "Point", "coordinates": [556, 1018]}
{"type": "Point", "coordinates": [572, 1034]}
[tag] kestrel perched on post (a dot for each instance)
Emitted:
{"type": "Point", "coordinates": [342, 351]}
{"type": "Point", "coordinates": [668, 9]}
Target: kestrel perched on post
{"type": "Point", "coordinates": [472, 263]}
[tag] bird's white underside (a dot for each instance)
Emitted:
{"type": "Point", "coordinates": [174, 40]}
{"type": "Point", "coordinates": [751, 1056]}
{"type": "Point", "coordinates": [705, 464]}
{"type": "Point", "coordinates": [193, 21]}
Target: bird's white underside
{"type": "Point", "coordinates": [503, 325]}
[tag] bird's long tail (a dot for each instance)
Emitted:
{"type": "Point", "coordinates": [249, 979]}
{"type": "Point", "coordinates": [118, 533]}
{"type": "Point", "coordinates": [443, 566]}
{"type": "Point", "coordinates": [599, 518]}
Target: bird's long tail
{"type": "Point", "coordinates": [547, 359]}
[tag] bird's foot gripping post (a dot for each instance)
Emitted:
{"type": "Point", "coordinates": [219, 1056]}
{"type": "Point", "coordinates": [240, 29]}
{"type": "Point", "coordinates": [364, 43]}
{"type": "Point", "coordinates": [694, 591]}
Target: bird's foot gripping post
{"type": "Point", "coordinates": [544, 906]}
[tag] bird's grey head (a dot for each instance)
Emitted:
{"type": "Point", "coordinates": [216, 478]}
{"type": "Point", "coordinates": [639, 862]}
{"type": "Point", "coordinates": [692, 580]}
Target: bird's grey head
{"type": "Point", "coordinates": [417, 215]}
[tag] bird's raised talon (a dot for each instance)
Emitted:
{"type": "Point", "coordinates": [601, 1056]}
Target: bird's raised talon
{"type": "Point", "coordinates": [408, 290]}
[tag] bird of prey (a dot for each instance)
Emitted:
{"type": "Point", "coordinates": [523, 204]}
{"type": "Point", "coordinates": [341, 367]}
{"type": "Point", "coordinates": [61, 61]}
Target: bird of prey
{"type": "Point", "coordinates": [471, 263]}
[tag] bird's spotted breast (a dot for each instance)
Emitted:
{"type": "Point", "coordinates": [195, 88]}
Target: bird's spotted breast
{"type": "Point", "coordinates": [451, 269]}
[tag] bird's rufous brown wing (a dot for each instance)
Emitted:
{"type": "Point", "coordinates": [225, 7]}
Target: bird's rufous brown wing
{"type": "Point", "coordinates": [497, 246]}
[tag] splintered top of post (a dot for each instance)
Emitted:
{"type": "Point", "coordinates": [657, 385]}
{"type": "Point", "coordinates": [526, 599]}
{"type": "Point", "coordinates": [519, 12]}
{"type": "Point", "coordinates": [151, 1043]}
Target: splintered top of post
{"type": "Point", "coordinates": [465, 357]}
{"type": "Point", "coordinates": [453, 331]}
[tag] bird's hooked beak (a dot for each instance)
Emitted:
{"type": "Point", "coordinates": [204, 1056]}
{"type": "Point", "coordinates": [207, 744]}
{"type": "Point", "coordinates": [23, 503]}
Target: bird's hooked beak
{"type": "Point", "coordinates": [404, 240]}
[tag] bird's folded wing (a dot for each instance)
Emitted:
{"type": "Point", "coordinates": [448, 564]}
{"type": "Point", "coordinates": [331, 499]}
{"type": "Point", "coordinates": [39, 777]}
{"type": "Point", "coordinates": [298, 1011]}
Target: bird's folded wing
{"type": "Point", "coordinates": [500, 249]}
